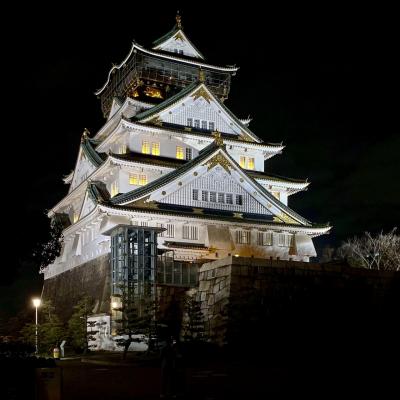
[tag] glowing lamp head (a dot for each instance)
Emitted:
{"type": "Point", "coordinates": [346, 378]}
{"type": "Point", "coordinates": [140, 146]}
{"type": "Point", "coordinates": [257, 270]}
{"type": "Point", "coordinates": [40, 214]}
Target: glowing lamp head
{"type": "Point", "coordinates": [236, 255]}
{"type": "Point", "coordinates": [114, 304]}
{"type": "Point", "coordinates": [36, 302]}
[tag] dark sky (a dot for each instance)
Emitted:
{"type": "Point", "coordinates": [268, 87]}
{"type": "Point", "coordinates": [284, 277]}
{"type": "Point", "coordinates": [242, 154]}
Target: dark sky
{"type": "Point", "coordinates": [323, 81]}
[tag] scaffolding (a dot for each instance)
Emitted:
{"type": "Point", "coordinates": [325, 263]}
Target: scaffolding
{"type": "Point", "coordinates": [143, 69]}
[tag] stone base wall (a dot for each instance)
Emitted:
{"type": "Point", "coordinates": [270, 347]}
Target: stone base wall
{"type": "Point", "coordinates": [249, 300]}
{"type": "Point", "coordinates": [92, 278]}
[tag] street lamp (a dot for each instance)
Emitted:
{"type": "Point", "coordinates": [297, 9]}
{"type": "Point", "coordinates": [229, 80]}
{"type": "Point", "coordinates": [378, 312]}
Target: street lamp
{"type": "Point", "coordinates": [36, 304]}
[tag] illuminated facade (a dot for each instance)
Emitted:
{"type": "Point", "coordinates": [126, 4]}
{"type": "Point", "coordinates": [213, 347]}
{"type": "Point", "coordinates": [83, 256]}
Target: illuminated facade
{"type": "Point", "coordinates": [171, 155]}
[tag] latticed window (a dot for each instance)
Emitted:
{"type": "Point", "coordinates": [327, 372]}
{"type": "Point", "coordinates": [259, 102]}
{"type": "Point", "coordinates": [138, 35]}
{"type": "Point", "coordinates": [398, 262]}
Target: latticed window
{"type": "Point", "coordinates": [195, 194]}
{"type": "Point", "coordinates": [133, 179]}
{"type": "Point", "coordinates": [161, 234]}
{"type": "Point", "coordinates": [285, 240]}
{"type": "Point", "coordinates": [190, 122]}
{"type": "Point", "coordinates": [179, 152]}
{"type": "Point", "coordinates": [239, 200]}
{"type": "Point", "coordinates": [189, 153]}
{"type": "Point", "coordinates": [142, 180]}
{"type": "Point", "coordinates": [203, 124]}
{"type": "Point", "coordinates": [229, 198]}
{"type": "Point", "coordinates": [197, 123]}
{"type": "Point", "coordinates": [211, 126]}
{"type": "Point", "coordinates": [155, 149]}
{"type": "Point", "coordinates": [204, 195]}
{"type": "Point", "coordinates": [260, 238]}
{"type": "Point", "coordinates": [250, 163]}
{"type": "Point", "coordinates": [114, 189]}
{"type": "Point", "coordinates": [221, 197]}
{"type": "Point", "coordinates": [268, 239]}
{"type": "Point", "coordinates": [190, 232]}
{"type": "Point", "coordinates": [170, 232]}
{"type": "Point", "coordinates": [213, 197]}
{"type": "Point", "coordinates": [243, 237]}
{"type": "Point", "coordinates": [122, 149]}
{"type": "Point", "coordinates": [145, 147]}
{"type": "Point", "coordinates": [242, 161]}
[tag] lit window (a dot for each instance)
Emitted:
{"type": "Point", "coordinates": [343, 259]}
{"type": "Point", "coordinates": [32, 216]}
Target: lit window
{"type": "Point", "coordinates": [195, 194]}
{"type": "Point", "coordinates": [229, 198]}
{"type": "Point", "coordinates": [250, 163]}
{"type": "Point", "coordinates": [133, 179]}
{"type": "Point", "coordinates": [213, 197]}
{"type": "Point", "coordinates": [145, 147]}
{"type": "Point", "coordinates": [179, 152]}
{"type": "Point", "coordinates": [189, 153]}
{"type": "Point", "coordinates": [114, 189]}
{"type": "Point", "coordinates": [242, 162]}
{"type": "Point", "coordinates": [281, 239]}
{"type": "Point", "coordinates": [211, 126]}
{"type": "Point", "coordinates": [239, 200]}
{"type": "Point", "coordinates": [204, 195]}
{"type": "Point", "coordinates": [155, 149]}
{"type": "Point", "coordinates": [197, 123]}
{"type": "Point", "coordinates": [122, 149]}
{"type": "Point", "coordinates": [142, 180]}
{"type": "Point", "coordinates": [75, 216]}
{"type": "Point", "coordinates": [221, 197]}
{"type": "Point", "coordinates": [190, 122]}
{"type": "Point", "coordinates": [203, 124]}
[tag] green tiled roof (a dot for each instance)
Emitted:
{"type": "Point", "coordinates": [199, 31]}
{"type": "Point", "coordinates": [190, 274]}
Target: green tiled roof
{"type": "Point", "coordinates": [90, 152]}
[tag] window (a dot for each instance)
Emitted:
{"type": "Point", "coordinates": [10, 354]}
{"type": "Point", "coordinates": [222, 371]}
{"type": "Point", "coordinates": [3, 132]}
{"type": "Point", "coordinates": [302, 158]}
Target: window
{"type": "Point", "coordinates": [195, 194]}
{"type": "Point", "coordinates": [221, 197]}
{"type": "Point", "coordinates": [144, 223]}
{"type": "Point", "coordinates": [180, 51]}
{"type": "Point", "coordinates": [239, 200]}
{"type": "Point", "coordinates": [179, 152]}
{"type": "Point", "coordinates": [122, 149]}
{"type": "Point", "coordinates": [242, 162]}
{"type": "Point", "coordinates": [170, 232]}
{"type": "Point", "coordinates": [114, 189]}
{"type": "Point", "coordinates": [203, 124]}
{"type": "Point", "coordinates": [155, 149]}
{"type": "Point", "coordinates": [142, 180]}
{"type": "Point", "coordinates": [211, 126]}
{"type": "Point", "coordinates": [284, 240]}
{"type": "Point", "coordinates": [204, 195]}
{"type": "Point", "coordinates": [145, 147]}
{"type": "Point", "coordinates": [133, 179]}
{"type": "Point", "coordinates": [213, 197]}
{"type": "Point", "coordinates": [260, 238]}
{"type": "Point", "coordinates": [250, 163]}
{"type": "Point", "coordinates": [190, 122]}
{"type": "Point", "coordinates": [190, 232]}
{"type": "Point", "coordinates": [229, 198]}
{"type": "Point", "coordinates": [197, 123]}
{"type": "Point", "coordinates": [175, 50]}
{"type": "Point", "coordinates": [188, 153]}
{"type": "Point", "coordinates": [268, 239]}
{"type": "Point", "coordinates": [243, 237]}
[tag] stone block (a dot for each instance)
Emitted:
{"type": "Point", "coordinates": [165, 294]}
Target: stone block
{"type": "Point", "coordinates": [204, 286]}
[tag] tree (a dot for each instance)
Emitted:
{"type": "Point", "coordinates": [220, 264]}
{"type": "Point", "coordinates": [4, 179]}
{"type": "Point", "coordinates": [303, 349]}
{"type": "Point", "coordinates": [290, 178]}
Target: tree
{"type": "Point", "coordinates": [47, 252]}
{"type": "Point", "coordinates": [138, 318]}
{"type": "Point", "coordinates": [81, 330]}
{"type": "Point", "coordinates": [381, 252]}
{"type": "Point", "coordinates": [193, 326]}
{"type": "Point", "coordinates": [50, 329]}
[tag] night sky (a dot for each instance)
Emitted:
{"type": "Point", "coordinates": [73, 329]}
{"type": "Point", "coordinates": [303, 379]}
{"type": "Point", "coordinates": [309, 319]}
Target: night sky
{"type": "Point", "coordinates": [322, 81]}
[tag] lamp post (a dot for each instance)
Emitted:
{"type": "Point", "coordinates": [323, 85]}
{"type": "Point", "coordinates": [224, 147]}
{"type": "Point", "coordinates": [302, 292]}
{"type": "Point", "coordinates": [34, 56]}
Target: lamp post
{"type": "Point", "coordinates": [36, 304]}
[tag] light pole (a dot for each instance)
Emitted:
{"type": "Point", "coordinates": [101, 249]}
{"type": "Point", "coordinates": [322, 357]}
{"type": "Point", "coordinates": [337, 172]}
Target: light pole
{"type": "Point", "coordinates": [36, 304]}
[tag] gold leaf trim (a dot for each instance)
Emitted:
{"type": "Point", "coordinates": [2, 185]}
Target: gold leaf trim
{"type": "Point", "coordinates": [221, 160]}
{"type": "Point", "coordinates": [201, 92]}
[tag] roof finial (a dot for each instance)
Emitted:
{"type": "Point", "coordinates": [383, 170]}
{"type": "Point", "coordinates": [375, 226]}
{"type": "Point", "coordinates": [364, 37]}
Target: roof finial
{"type": "Point", "coordinates": [217, 138]}
{"type": "Point", "coordinates": [85, 134]}
{"type": "Point", "coordinates": [178, 20]}
{"type": "Point", "coordinates": [202, 75]}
